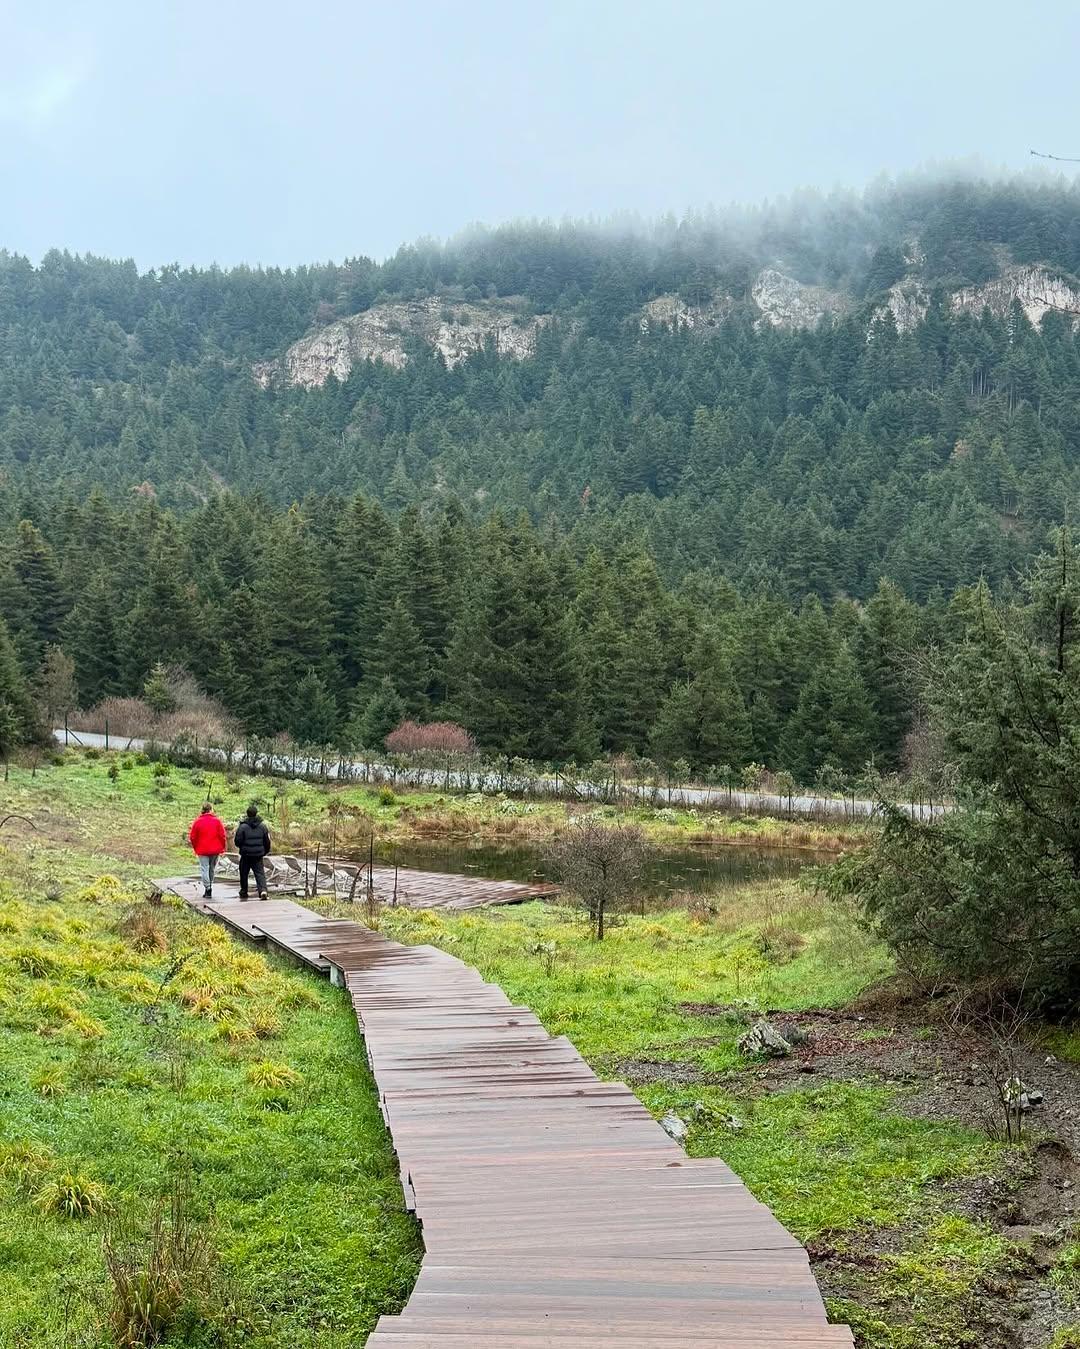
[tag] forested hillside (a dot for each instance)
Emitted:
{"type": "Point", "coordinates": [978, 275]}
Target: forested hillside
{"type": "Point", "coordinates": [653, 511]}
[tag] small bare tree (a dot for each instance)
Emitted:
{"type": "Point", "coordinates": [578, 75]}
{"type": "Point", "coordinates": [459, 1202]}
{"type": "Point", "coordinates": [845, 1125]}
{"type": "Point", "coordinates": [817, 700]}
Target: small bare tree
{"type": "Point", "coordinates": [995, 1028]}
{"type": "Point", "coordinates": [602, 865]}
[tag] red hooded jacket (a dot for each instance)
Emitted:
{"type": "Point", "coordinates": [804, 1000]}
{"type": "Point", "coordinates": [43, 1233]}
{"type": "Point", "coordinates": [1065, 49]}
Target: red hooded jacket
{"type": "Point", "coordinates": [207, 836]}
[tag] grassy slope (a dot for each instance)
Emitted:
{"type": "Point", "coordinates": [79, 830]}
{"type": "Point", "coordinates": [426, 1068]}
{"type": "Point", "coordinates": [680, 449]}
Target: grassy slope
{"type": "Point", "coordinates": [832, 1160]}
{"type": "Point", "coordinates": [306, 1209]}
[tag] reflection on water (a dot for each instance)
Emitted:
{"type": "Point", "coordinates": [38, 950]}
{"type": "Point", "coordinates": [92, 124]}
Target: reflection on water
{"type": "Point", "coordinates": [669, 871]}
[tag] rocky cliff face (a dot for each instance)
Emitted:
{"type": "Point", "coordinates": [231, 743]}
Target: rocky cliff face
{"type": "Point", "coordinates": [385, 332]}
{"type": "Point", "coordinates": [1038, 291]}
{"type": "Point", "coordinates": [457, 328]}
{"type": "Point", "coordinates": [671, 311]}
{"type": "Point", "coordinates": [907, 302]}
{"type": "Point", "coordinates": [780, 301]}
{"type": "Point", "coordinates": [787, 303]}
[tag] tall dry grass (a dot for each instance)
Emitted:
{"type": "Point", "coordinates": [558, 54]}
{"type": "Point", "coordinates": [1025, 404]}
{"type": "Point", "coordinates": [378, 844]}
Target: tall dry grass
{"type": "Point", "coordinates": [132, 718]}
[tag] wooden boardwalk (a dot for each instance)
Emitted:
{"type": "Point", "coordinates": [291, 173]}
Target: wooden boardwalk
{"type": "Point", "coordinates": [556, 1213]}
{"type": "Point", "coordinates": [407, 887]}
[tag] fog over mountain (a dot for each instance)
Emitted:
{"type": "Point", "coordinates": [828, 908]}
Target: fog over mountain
{"type": "Point", "coordinates": [249, 133]}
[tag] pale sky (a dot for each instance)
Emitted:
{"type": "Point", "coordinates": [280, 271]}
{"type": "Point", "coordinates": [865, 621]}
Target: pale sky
{"type": "Point", "coordinates": [291, 132]}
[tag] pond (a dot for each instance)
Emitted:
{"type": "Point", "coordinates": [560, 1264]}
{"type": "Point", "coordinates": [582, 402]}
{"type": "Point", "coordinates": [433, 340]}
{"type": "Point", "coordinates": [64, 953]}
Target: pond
{"type": "Point", "coordinates": [668, 873]}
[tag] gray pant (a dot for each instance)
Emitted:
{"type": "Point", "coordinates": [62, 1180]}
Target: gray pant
{"type": "Point", "coordinates": [207, 867]}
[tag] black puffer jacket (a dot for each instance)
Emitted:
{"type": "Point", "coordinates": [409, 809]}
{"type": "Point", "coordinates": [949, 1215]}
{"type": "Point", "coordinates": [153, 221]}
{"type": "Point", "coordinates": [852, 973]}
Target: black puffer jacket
{"type": "Point", "coordinates": [252, 838]}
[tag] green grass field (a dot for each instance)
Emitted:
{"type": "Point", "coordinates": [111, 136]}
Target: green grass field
{"type": "Point", "coordinates": [115, 1078]}
{"type": "Point", "coordinates": [144, 1051]}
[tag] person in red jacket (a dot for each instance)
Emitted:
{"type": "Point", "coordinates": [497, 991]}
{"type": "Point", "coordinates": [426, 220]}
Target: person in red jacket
{"type": "Point", "coordinates": [207, 837]}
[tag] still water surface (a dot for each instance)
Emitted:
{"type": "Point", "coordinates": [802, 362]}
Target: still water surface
{"type": "Point", "coordinates": [669, 871]}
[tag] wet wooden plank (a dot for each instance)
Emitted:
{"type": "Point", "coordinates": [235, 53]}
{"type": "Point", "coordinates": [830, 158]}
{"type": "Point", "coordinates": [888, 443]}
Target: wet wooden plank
{"type": "Point", "coordinates": [402, 886]}
{"type": "Point", "coordinates": [556, 1213]}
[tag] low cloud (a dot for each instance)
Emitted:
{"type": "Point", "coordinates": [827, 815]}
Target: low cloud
{"type": "Point", "coordinates": [35, 98]}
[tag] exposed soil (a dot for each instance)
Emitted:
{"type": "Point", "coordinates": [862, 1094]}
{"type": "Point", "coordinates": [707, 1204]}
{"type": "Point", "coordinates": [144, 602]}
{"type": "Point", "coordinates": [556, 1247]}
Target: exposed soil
{"type": "Point", "coordinates": [939, 1073]}
{"type": "Point", "coordinates": [44, 826]}
{"type": "Point", "coordinates": [129, 849]}
{"type": "Point", "coordinates": [1017, 1306]}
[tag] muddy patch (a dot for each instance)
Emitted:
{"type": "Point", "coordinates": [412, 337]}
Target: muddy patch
{"type": "Point", "coordinates": [1018, 1304]}
{"type": "Point", "coordinates": [1033, 1204]}
{"type": "Point", "coordinates": [942, 1075]}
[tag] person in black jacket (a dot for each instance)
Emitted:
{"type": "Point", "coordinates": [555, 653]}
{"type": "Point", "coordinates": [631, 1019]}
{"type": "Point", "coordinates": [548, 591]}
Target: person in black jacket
{"type": "Point", "coordinates": [252, 840]}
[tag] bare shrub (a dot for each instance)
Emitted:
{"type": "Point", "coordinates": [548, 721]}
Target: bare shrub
{"type": "Point", "coordinates": [437, 737]}
{"type": "Point", "coordinates": [372, 903]}
{"type": "Point", "coordinates": [991, 1026]}
{"type": "Point", "coordinates": [601, 864]}
{"type": "Point", "coordinates": [204, 725]}
{"type": "Point", "coordinates": [195, 714]}
{"type": "Point", "coordinates": [126, 717]}
{"type": "Point", "coordinates": [698, 908]}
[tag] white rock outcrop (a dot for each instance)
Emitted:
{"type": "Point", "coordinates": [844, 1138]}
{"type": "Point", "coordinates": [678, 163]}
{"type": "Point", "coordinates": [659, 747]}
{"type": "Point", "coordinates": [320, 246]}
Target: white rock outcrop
{"type": "Point", "coordinates": [907, 302]}
{"type": "Point", "coordinates": [455, 328]}
{"type": "Point", "coordinates": [672, 311]}
{"type": "Point", "coordinates": [1037, 289]}
{"type": "Point", "coordinates": [787, 303]}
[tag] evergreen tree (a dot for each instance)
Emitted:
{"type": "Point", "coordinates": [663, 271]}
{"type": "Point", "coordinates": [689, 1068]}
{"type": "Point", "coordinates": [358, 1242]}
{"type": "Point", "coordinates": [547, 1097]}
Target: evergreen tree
{"type": "Point", "coordinates": [156, 691]}
{"type": "Point", "coordinates": [641, 673]}
{"type": "Point", "coordinates": [464, 692]}
{"type": "Point", "coordinates": [382, 713]}
{"type": "Point", "coordinates": [550, 668]}
{"type": "Point", "coordinates": [989, 894]}
{"type": "Point", "coordinates": [290, 623]}
{"type": "Point", "coordinates": [497, 716]}
{"type": "Point", "coordinates": [34, 603]}
{"type": "Point", "coordinates": [885, 644]}
{"type": "Point", "coordinates": [703, 719]}
{"type": "Point", "coordinates": [90, 639]}
{"type": "Point", "coordinates": [314, 719]}
{"type": "Point", "coordinates": [722, 730]}
{"type": "Point", "coordinates": [161, 626]}
{"type": "Point", "coordinates": [674, 732]}
{"type": "Point", "coordinates": [11, 729]}
{"type": "Point", "coordinates": [20, 721]}
{"type": "Point", "coordinates": [402, 657]}
{"type": "Point", "coordinates": [832, 723]}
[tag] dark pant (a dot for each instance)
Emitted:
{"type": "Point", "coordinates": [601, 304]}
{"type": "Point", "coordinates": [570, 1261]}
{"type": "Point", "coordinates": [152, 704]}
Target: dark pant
{"type": "Point", "coordinates": [247, 865]}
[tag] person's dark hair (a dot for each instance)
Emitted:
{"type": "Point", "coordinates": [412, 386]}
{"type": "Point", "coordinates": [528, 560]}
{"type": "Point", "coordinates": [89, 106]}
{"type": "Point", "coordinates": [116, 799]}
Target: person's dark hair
{"type": "Point", "coordinates": [253, 812]}
{"type": "Point", "coordinates": [207, 808]}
